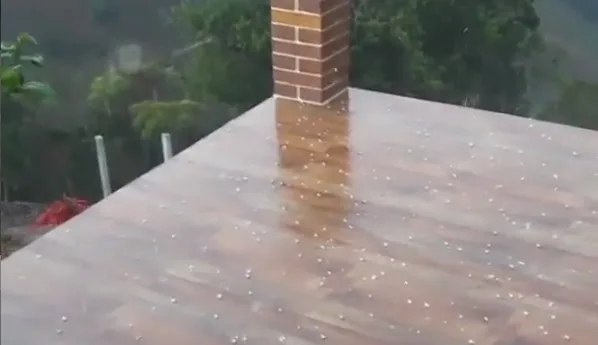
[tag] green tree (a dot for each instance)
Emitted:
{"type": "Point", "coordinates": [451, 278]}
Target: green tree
{"type": "Point", "coordinates": [20, 97]}
{"type": "Point", "coordinates": [466, 51]}
{"type": "Point", "coordinates": [234, 65]}
{"type": "Point", "coordinates": [13, 60]}
{"type": "Point", "coordinates": [577, 106]}
{"type": "Point", "coordinates": [132, 109]}
{"type": "Point", "coordinates": [130, 135]}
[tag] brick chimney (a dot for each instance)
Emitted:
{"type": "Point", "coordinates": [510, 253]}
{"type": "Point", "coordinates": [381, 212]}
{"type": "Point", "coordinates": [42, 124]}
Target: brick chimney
{"type": "Point", "coordinates": [310, 49]}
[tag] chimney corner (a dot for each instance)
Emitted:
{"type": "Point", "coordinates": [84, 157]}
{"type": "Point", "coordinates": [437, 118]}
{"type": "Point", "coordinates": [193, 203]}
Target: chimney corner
{"type": "Point", "coordinates": [310, 49]}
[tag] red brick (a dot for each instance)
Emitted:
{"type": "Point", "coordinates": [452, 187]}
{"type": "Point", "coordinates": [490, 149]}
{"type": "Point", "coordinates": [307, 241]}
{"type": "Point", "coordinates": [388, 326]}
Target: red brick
{"type": "Point", "coordinates": [296, 49]}
{"type": "Point", "coordinates": [286, 90]}
{"type": "Point", "coordinates": [299, 79]}
{"type": "Point", "coordinates": [321, 96]}
{"type": "Point", "coordinates": [340, 60]}
{"type": "Point", "coordinates": [323, 36]}
{"type": "Point", "coordinates": [320, 6]}
{"type": "Point", "coordinates": [284, 62]}
{"type": "Point", "coordinates": [310, 64]}
{"type": "Point", "coordinates": [283, 32]}
{"type": "Point", "coordinates": [283, 4]}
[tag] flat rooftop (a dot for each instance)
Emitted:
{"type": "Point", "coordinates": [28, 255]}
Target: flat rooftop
{"type": "Point", "coordinates": [381, 221]}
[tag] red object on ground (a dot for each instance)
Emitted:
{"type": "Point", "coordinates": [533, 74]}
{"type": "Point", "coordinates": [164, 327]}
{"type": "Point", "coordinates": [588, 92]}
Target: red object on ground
{"type": "Point", "coordinates": [62, 210]}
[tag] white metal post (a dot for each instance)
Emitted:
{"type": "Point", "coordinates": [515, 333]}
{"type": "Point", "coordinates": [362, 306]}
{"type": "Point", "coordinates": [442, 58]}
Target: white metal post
{"type": "Point", "coordinates": [103, 165]}
{"type": "Point", "coordinates": [166, 146]}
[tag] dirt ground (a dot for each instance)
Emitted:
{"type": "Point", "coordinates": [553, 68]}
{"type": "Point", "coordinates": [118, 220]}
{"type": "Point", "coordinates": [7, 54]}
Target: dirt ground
{"type": "Point", "coordinates": [15, 226]}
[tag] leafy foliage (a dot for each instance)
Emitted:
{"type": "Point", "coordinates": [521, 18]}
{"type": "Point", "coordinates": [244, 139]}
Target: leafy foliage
{"type": "Point", "coordinates": [450, 51]}
{"type": "Point", "coordinates": [105, 87]}
{"type": "Point", "coordinates": [13, 61]}
{"type": "Point", "coordinates": [234, 67]}
{"type": "Point", "coordinates": [20, 97]}
{"type": "Point", "coordinates": [147, 100]}
{"type": "Point", "coordinates": [156, 117]}
{"type": "Point", "coordinates": [577, 105]}
{"type": "Point", "coordinates": [132, 109]}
